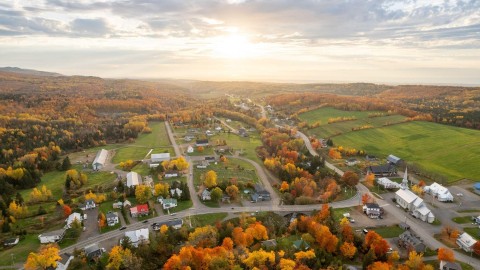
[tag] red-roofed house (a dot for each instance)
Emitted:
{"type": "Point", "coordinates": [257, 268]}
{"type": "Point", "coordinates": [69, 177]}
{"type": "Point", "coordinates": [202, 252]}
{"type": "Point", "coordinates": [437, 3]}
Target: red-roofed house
{"type": "Point", "coordinates": [139, 210]}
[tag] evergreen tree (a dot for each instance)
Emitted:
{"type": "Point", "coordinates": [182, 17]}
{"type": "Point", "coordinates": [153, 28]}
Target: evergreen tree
{"type": "Point", "coordinates": [19, 198]}
{"type": "Point", "coordinates": [369, 258]}
{"type": "Point", "coordinates": [5, 226]}
{"type": "Point", "coordinates": [68, 183]}
{"type": "Point", "coordinates": [66, 164]}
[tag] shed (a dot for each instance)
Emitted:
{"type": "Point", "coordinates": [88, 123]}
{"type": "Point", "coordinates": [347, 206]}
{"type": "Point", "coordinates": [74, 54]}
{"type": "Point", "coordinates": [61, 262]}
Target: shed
{"type": "Point", "coordinates": [394, 160]}
{"type": "Point", "coordinates": [100, 159]}
{"type": "Point", "coordinates": [133, 179]}
{"type": "Point", "coordinates": [160, 157]}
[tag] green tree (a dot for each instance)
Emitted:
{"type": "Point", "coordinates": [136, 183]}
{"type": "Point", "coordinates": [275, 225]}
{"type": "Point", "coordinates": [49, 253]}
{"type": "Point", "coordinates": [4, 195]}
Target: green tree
{"type": "Point", "coordinates": [216, 194]}
{"type": "Point", "coordinates": [66, 164]}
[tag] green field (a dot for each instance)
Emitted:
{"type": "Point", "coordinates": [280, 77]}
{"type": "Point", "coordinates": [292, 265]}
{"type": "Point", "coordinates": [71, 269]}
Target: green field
{"type": "Point", "coordinates": [156, 140]}
{"type": "Point", "coordinates": [20, 251]}
{"type": "Point", "coordinates": [389, 232]}
{"type": "Point", "coordinates": [246, 173]}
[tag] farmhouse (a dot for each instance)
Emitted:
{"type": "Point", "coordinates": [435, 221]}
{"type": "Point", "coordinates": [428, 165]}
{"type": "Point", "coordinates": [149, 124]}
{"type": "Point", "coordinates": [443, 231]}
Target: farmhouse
{"type": "Point", "coordinates": [391, 159]}
{"type": "Point", "coordinates": [382, 170]}
{"type": "Point", "coordinates": [139, 210]}
{"type": "Point", "coordinates": [99, 161]}
{"type": "Point", "coordinates": [372, 210]}
{"type": "Point", "coordinates": [89, 204]}
{"type": "Point", "coordinates": [466, 242]}
{"type": "Point", "coordinates": [440, 192]}
{"type": "Point", "coordinates": [203, 142]}
{"type": "Point", "coordinates": [408, 240]}
{"type": "Point", "coordinates": [387, 183]}
{"type": "Point", "coordinates": [112, 218]}
{"type": "Point", "coordinates": [52, 237]}
{"type": "Point", "coordinates": [206, 195]}
{"type": "Point", "coordinates": [138, 237]}
{"type": "Point", "coordinates": [72, 218]}
{"type": "Point", "coordinates": [64, 262]}
{"type": "Point", "coordinates": [157, 158]}
{"type": "Point", "coordinates": [133, 179]}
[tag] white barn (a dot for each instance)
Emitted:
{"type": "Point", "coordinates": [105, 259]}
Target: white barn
{"type": "Point", "coordinates": [156, 158]}
{"type": "Point", "coordinates": [99, 161]}
{"type": "Point", "coordinates": [72, 218]}
{"type": "Point", "coordinates": [387, 183]}
{"type": "Point", "coordinates": [440, 192]}
{"type": "Point", "coordinates": [52, 237]}
{"type": "Point", "coordinates": [133, 179]}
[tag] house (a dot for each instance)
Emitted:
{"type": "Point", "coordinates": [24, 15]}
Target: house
{"type": "Point", "coordinates": [160, 199]}
{"type": "Point", "coordinates": [222, 149]}
{"type": "Point", "coordinates": [153, 165]}
{"type": "Point", "coordinates": [138, 237]}
{"type": "Point", "coordinates": [209, 133]}
{"type": "Point", "coordinates": [387, 183]}
{"type": "Point", "coordinates": [300, 245]}
{"type": "Point", "coordinates": [210, 159]}
{"type": "Point", "coordinates": [93, 251]}
{"type": "Point", "coordinates": [203, 164]}
{"type": "Point", "coordinates": [370, 158]}
{"type": "Point", "coordinates": [202, 142]}
{"type": "Point", "coordinates": [89, 204]}
{"type": "Point", "coordinates": [446, 265]}
{"type": "Point", "coordinates": [260, 194]}
{"type": "Point", "coordinates": [112, 218]}
{"type": "Point", "coordinates": [64, 262]}
{"type": "Point", "coordinates": [117, 205]}
{"type": "Point", "coordinates": [372, 210]}
{"type": "Point", "coordinates": [127, 203]}
{"type": "Point", "coordinates": [72, 218]}
{"type": "Point", "coordinates": [466, 242]}
{"type": "Point", "coordinates": [440, 192]}
{"type": "Point", "coordinates": [175, 223]}
{"type": "Point", "coordinates": [206, 195]}
{"type": "Point", "coordinates": [226, 198]}
{"type": "Point", "coordinates": [351, 162]}
{"type": "Point", "coordinates": [189, 149]}
{"type": "Point", "coordinates": [218, 128]}
{"type": "Point", "coordinates": [139, 210]}
{"type": "Point", "coordinates": [170, 174]}
{"type": "Point", "coordinates": [11, 242]}
{"type": "Point", "coordinates": [404, 226]}
{"type": "Point", "coordinates": [242, 132]}
{"type": "Point", "coordinates": [169, 203]}
{"type": "Point", "coordinates": [100, 159]}
{"type": "Point", "coordinates": [269, 244]}
{"type": "Point", "coordinates": [133, 179]}
{"type": "Point", "coordinates": [158, 158]}
{"type": "Point", "coordinates": [148, 181]}
{"type": "Point", "coordinates": [382, 170]}
{"type": "Point", "coordinates": [177, 191]}
{"type": "Point", "coordinates": [52, 237]}
{"type": "Point", "coordinates": [408, 240]}
{"type": "Point", "coordinates": [391, 159]}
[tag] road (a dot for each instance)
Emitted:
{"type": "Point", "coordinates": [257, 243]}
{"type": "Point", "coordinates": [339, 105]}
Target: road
{"type": "Point", "coordinates": [172, 139]}
{"type": "Point", "coordinates": [420, 228]}
{"type": "Point", "coordinates": [234, 130]}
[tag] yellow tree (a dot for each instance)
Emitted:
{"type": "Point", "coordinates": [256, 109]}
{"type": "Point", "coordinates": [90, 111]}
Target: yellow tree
{"type": "Point", "coordinates": [284, 187]}
{"type": "Point", "coordinates": [257, 231]}
{"type": "Point", "coordinates": [206, 236]}
{"type": "Point", "coordinates": [302, 256]}
{"type": "Point", "coordinates": [260, 258]}
{"type": "Point", "coordinates": [102, 221]}
{"type": "Point", "coordinates": [348, 250]}
{"type": "Point", "coordinates": [143, 193]}
{"type": "Point", "coordinates": [287, 264]}
{"type": "Point", "coordinates": [117, 257]}
{"type": "Point", "coordinates": [163, 229]}
{"type": "Point", "coordinates": [415, 260]}
{"type": "Point", "coordinates": [161, 189]}
{"type": "Point", "coordinates": [45, 258]}
{"type": "Point", "coordinates": [232, 191]}
{"type": "Point", "coordinates": [370, 178]}
{"type": "Point", "coordinates": [210, 179]}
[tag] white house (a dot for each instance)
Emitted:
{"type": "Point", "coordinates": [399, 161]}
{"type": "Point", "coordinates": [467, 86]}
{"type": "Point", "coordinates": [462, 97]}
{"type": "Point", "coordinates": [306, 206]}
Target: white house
{"type": "Point", "coordinates": [112, 218]}
{"type": "Point", "coordinates": [157, 158]}
{"type": "Point", "coordinates": [206, 195]}
{"type": "Point", "coordinates": [52, 237]}
{"type": "Point", "coordinates": [440, 192]}
{"type": "Point", "coordinates": [64, 261]}
{"type": "Point", "coordinates": [72, 218]}
{"type": "Point", "coordinates": [171, 174]}
{"type": "Point", "coordinates": [117, 205]}
{"type": "Point", "coordinates": [127, 203]}
{"type": "Point", "coordinates": [466, 242]}
{"type": "Point", "coordinates": [89, 204]}
{"type": "Point", "coordinates": [189, 149]}
{"type": "Point", "coordinates": [351, 162]}
{"type": "Point", "coordinates": [138, 237]}
{"type": "Point", "coordinates": [99, 161]}
{"type": "Point", "coordinates": [372, 210]}
{"type": "Point", "coordinates": [177, 191]}
{"type": "Point", "coordinates": [387, 183]}
{"type": "Point", "coordinates": [11, 241]}
{"type": "Point", "coordinates": [169, 203]}
{"type": "Point", "coordinates": [133, 179]}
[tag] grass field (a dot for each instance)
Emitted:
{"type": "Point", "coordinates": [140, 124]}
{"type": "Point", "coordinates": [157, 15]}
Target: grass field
{"type": "Point", "coordinates": [156, 140]}
{"type": "Point", "coordinates": [462, 220]}
{"type": "Point", "coordinates": [207, 219]}
{"type": "Point", "coordinates": [389, 232]}
{"type": "Point", "coordinates": [20, 251]}
{"type": "Point", "coordinates": [473, 231]}
{"type": "Point", "coordinates": [247, 172]}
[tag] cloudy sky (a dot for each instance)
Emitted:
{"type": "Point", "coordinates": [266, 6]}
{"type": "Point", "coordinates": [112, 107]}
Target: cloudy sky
{"type": "Point", "coordinates": [394, 41]}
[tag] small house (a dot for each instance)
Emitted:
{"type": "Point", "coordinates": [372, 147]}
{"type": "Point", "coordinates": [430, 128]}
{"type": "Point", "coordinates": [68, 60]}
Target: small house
{"type": "Point", "coordinates": [242, 132]}
{"type": "Point", "coordinates": [158, 158]}
{"type": "Point", "coordinates": [100, 159]}
{"type": "Point", "coordinates": [64, 262]}
{"type": "Point", "coordinates": [206, 195]}
{"type": "Point", "coordinates": [93, 251]}
{"type": "Point", "coordinates": [139, 210]}
{"type": "Point", "coordinates": [209, 133]}
{"type": "Point", "coordinates": [127, 203]}
{"type": "Point", "coordinates": [138, 237]}
{"type": "Point", "coordinates": [117, 205]}
{"type": "Point", "coordinates": [133, 179]}
{"type": "Point", "coordinates": [351, 162]}
{"type": "Point", "coordinates": [189, 149]}
{"type": "Point", "coordinates": [382, 170]}
{"type": "Point", "coordinates": [446, 265]}
{"type": "Point", "coordinates": [301, 245]}
{"type": "Point", "coordinates": [409, 240]}
{"type": "Point", "coordinates": [89, 204]}
{"type": "Point", "coordinates": [112, 218]}
{"type": "Point", "coordinates": [72, 218]}
{"type": "Point", "coordinates": [226, 198]}
{"type": "Point", "coordinates": [176, 191]}
{"type": "Point", "coordinates": [160, 199]}
{"type": "Point", "coordinates": [52, 237]}
{"type": "Point", "coordinates": [391, 159]}
{"type": "Point", "coordinates": [170, 174]}
{"type": "Point", "coordinates": [440, 192]}
{"type": "Point", "coordinates": [269, 244]}
{"type": "Point", "coordinates": [169, 203]}
{"type": "Point", "coordinates": [11, 242]}
{"type": "Point", "coordinates": [387, 183]}
{"type": "Point", "coordinates": [466, 242]}
{"type": "Point", "coordinates": [176, 224]}
{"type": "Point", "coordinates": [372, 210]}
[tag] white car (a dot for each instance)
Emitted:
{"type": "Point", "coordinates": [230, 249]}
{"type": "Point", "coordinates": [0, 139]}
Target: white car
{"type": "Point", "coordinates": [460, 194]}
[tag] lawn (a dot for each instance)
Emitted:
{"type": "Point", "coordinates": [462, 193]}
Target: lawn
{"type": "Point", "coordinates": [388, 232]}
{"type": "Point", "coordinates": [207, 219]}
{"type": "Point", "coordinates": [473, 231]}
{"type": "Point", "coordinates": [338, 212]}
{"type": "Point", "coordinates": [181, 205]}
{"type": "Point", "coordinates": [20, 251]}
{"type": "Point", "coordinates": [245, 173]}
{"type": "Point", "coordinates": [462, 220]}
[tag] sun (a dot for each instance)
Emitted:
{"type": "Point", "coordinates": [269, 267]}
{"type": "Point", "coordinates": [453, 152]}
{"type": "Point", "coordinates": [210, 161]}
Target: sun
{"type": "Point", "coordinates": [233, 46]}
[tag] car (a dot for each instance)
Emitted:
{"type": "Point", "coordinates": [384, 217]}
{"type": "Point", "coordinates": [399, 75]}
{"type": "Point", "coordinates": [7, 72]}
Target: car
{"type": "Point", "coordinates": [145, 221]}
{"type": "Point", "coordinates": [380, 217]}
{"type": "Point", "coordinates": [351, 220]}
{"type": "Point", "coordinates": [172, 214]}
{"type": "Point", "coordinates": [233, 208]}
{"type": "Point", "coordinates": [122, 228]}
{"type": "Point", "coordinates": [365, 231]}
{"type": "Point", "coordinates": [460, 194]}
{"type": "Point", "coordinates": [397, 205]}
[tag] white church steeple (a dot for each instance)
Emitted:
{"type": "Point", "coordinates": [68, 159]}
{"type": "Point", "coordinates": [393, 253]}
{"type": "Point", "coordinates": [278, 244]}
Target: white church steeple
{"type": "Point", "coordinates": [404, 184]}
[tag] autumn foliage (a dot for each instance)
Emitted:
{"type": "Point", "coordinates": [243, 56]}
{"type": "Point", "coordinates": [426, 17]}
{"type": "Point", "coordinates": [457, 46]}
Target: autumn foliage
{"type": "Point", "coordinates": [445, 254]}
{"type": "Point", "coordinates": [47, 256]}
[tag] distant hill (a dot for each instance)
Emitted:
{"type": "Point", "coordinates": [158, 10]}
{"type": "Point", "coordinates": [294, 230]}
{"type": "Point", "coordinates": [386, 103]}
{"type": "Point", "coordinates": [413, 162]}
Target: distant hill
{"type": "Point", "coordinates": [29, 71]}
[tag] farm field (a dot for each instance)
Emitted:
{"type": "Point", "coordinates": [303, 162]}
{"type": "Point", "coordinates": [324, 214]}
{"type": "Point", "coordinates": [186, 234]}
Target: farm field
{"type": "Point", "coordinates": [156, 140]}
{"type": "Point", "coordinates": [446, 150]}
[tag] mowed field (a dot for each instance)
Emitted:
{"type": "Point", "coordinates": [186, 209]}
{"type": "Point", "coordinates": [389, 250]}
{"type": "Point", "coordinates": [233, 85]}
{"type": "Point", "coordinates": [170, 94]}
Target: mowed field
{"type": "Point", "coordinates": [156, 140]}
{"type": "Point", "coordinates": [326, 130]}
{"type": "Point", "coordinates": [450, 151]}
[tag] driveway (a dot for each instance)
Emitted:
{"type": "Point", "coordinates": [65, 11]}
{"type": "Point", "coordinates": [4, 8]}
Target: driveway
{"type": "Point", "coordinates": [90, 224]}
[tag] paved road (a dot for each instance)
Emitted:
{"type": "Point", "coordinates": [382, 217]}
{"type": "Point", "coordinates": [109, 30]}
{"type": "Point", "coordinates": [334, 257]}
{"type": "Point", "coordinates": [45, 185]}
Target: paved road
{"type": "Point", "coordinates": [172, 139]}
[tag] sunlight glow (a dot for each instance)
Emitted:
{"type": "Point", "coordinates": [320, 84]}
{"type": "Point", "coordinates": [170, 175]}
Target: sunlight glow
{"type": "Point", "coordinates": [233, 46]}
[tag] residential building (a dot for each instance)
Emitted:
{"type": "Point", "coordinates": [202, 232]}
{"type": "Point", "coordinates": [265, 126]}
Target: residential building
{"type": "Point", "coordinates": [72, 218]}
{"type": "Point", "coordinates": [100, 159]}
{"type": "Point", "coordinates": [446, 265]}
{"type": "Point", "coordinates": [133, 179]}
{"type": "Point", "coordinates": [206, 195]}
{"type": "Point", "coordinates": [382, 170]}
{"type": "Point", "coordinates": [260, 194]}
{"type": "Point", "coordinates": [372, 210]}
{"type": "Point", "coordinates": [138, 237]}
{"type": "Point", "coordinates": [11, 242]}
{"type": "Point", "coordinates": [351, 162]}
{"type": "Point", "coordinates": [127, 203]}
{"type": "Point", "coordinates": [112, 218]}
{"type": "Point", "coordinates": [300, 245]}
{"type": "Point", "coordinates": [175, 223]}
{"type": "Point", "coordinates": [93, 251]}
{"type": "Point", "coordinates": [52, 237]}
{"type": "Point", "coordinates": [440, 192]}
{"type": "Point", "coordinates": [202, 142]}
{"type": "Point", "coordinates": [64, 262]}
{"type": "Point", "coordinates": [408, 240]}
{"type": "Point", "coordinates": [466, 242]}
{"type": "Point", "coordinates": [387, 183]}
{"type": "Point", "coordinates": [391, 159]}
{"type": "Point", "coordinates": [160, 199]}
{"type": "Point", "coordinates": [176, 191]}
{"type": "Point", "coordinates": [242, 132]}
{"type": "Point", "coordinates": [89, 204]}
{"type": "Point", "coordinates": [269, 244]}
{"type": "Point", "coordinates": [158, 158]}
{"type": "Point", "coordinates": [170, 174]}
{"type": "Point", "coordinates": [169, 203]}
{"type": "Point", "coordinates": [189, 149]}
{"type": "Point", "coordinates": [139, 210]}
{"type": "Point", "coordinates": [117, 205]}
{"type": "Point", "coordinates": [209, 133]}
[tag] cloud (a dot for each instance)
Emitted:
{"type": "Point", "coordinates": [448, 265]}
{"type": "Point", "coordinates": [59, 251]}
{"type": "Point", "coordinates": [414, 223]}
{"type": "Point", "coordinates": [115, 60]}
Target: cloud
{"type": "Point", "coordinates": [89, 27]}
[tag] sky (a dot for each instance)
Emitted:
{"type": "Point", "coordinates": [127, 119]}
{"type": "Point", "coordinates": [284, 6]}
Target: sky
{"type": "Point", "coordinates": [380, 41]}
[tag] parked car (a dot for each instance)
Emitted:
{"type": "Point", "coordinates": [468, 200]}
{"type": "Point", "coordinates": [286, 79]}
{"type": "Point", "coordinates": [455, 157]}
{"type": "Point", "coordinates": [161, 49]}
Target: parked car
{"type": "Point", "coordinates": [145, 221]}
{"type": "Point", "coordinates": [365, 231]}
{"type": "Point", "coordinates": [122, 228]}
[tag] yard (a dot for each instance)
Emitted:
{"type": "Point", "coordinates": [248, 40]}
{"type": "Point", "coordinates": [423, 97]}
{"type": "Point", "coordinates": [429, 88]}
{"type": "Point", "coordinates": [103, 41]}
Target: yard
{"type": "Point", "coordinates": [234, 168]}
{"type": "Point", "coordinates": [207, 219]}
{"type": "Point", "coordinates": [462, 220]}
{"type": "Point", "coordinates": [19, 253]}
{"type": "Point", "coordinates": [388, 231]}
